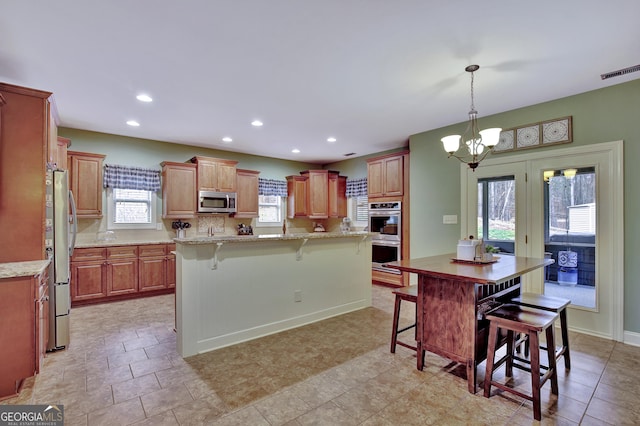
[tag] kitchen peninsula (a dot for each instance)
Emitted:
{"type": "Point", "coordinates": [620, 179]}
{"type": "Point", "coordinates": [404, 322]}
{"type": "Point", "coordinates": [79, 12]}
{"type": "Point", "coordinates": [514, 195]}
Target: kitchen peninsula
{"type": "Point", "coordinates": [232, 289]}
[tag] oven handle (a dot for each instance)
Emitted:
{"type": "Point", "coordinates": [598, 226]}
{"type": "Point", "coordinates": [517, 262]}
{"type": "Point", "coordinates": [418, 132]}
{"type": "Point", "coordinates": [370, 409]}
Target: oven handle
{"type": "Point", "coordinates": [385, 243]}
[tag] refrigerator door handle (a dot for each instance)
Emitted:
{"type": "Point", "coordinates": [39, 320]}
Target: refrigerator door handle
{"type": "Point", "coordinates": [74, 222]}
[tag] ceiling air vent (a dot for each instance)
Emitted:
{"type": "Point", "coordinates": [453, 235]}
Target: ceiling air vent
{"type": "Point", "coordinates": [620, 72]}
{"type": "Point", "coordinates": [350, 154]}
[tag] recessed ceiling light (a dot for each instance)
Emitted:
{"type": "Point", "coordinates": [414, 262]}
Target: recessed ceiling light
{"type": "Point", "coordinates": [295, 151]}
{"type": "Point", "coordinates": [256, 123]}
{"type": "Point", "coordinates": [331, 139]}
{"type": "Point", "coordinates": [133, 123]}
{"type": "Point", "coordinates": [227, 139]}
{"type": "Point", "coordinates": [144, 98]}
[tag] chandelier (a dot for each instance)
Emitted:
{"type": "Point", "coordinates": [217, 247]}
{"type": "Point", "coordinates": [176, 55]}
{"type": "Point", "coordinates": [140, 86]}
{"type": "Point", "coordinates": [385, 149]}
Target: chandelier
{"type": "Point", "coordinates": [478, 142]}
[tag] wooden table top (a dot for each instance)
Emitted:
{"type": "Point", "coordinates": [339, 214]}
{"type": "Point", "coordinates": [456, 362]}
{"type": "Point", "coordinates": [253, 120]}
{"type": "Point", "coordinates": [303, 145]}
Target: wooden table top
{"type": "Point", "coordinates": [442, 266]}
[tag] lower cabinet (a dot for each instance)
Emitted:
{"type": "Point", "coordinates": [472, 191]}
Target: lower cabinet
{"type": "Point", "coordinates": [24, 328]}
{"type": "Point", "coordinates": [102, 274]}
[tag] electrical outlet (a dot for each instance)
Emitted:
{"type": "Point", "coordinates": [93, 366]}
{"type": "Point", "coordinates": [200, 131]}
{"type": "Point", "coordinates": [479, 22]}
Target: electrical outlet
{"type": "Point", "coordinates": [297, 296]}
{"type": "Point", "coordinates": [450, 219]}
{"type": "Point", "coordinates": [158, 226]}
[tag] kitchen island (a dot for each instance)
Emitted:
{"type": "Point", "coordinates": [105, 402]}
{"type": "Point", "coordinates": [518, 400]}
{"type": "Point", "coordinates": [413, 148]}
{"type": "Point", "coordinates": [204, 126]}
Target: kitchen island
{"type": "Point", "coordinates": [231, 289]}
{"type": "Point", "coordinates": [453, 298]}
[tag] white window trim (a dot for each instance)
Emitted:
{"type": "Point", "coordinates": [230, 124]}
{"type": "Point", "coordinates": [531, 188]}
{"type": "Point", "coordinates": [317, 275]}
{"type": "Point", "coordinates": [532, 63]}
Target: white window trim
{"type": "Point", "coordinates": [111, 210]}
{"type": "Point", "coordinates": [283, 216]}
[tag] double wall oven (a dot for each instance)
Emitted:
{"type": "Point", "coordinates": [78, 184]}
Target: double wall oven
{"type": "Point", "coordinates": [385, 222]}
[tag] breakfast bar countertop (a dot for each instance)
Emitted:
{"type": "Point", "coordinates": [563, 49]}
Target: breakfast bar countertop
{"type": "Point", "coordinates": [267, 237]}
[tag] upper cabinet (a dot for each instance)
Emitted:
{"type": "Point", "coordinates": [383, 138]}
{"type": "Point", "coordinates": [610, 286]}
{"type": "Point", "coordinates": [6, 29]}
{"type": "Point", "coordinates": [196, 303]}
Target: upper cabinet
{"type": "Point", "coordinates": [26, 127]}
{"type": "Point", "coordinates": [317, 194]}
{"type": "Point", "coordinates": [85, 171]}
{"type": "Point", "coordinates": [178, 190]}
{"type": "Point", "coordinates": [297, 199]}
{"type": "Point", "coordinates": [215, 174]}
{"type": "Point", "coordinates": [62, 146]}
{"type": "Point", "coordinates": [386, 175]}
{"type": "Point", "coordinates": [337, 195]}
{"type": "Point", "coordinates": [247, 200]}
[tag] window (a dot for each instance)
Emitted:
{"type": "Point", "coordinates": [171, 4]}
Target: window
{"type": "Point", "coordinates": [131, 209]}
{"type": "Point", "coordinates": [270, 210]}
{"type": "Point", "coordinates": [496, 209]}
{"type": "Point", "coordinates": [358, 211]}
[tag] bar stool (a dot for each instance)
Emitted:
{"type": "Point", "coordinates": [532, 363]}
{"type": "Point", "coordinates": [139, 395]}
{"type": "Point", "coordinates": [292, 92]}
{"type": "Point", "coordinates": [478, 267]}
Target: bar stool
{"type": "Point", "coordinates": [515, 320]}
{"type": "Point", "coordinates": [551, 304]}
{"type": "Point", "coordinates": [408, 294]}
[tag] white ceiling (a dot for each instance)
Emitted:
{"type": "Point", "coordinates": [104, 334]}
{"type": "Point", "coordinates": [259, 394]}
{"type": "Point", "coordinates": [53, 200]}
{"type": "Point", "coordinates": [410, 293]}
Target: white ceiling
{"type": "Point", "coordinates": [368, 72]}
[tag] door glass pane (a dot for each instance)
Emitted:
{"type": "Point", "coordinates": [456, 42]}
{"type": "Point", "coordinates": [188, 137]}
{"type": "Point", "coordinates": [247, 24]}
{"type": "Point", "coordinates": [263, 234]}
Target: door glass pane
{"type": "Point", "coordinates": [497, 212]}
{"type": "Point", "coordinates": [570, 235]}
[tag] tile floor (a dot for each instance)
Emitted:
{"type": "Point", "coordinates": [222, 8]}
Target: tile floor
{"type": "Point", "coordinates": [122, 368]}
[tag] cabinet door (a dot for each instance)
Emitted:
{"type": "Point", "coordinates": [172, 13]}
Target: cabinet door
{"type": "Point", "coordinates": [152, 273]}
{"type": "Point", "coordinates": [171, 270]}
{"type": "Point", "coordinates": [227, 177]}
{"type": "Point", "coordinates": [375, 185]}
{"type": "Point", "coordinates": [61, 154]}
{"type": "Point", "coordinates": [393, 181]}
{"type": "Point", "coordinates": [247, 199]}
{"type": "Point", "coordinates": [297, 200]}
{"type": "Point", "coordinates": [207, 175]}
{"type": "Point", "coordinates": [86, 183]}
{"type": "Point", "coordinates": [337, 196]}
{"type": "Point", "coordinates": [88, 280]}
{"type": "Point", "coordinates": [122, 276]}
{"type": "Point", "coordinates": [318, 194]}
{"type": "Point", "coordinates": [178, 190]}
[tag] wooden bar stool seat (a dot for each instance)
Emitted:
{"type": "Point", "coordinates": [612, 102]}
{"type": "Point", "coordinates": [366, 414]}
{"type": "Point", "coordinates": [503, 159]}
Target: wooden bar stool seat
{"type": "Point", "coordinates": [516, 319]}
{"type": "Point", "coordinates": [408, 294]}
{"type": "Point", "coordinates": [551, 304]}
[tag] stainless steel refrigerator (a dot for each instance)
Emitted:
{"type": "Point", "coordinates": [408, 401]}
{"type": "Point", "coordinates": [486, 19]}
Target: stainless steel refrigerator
{"type": "Point", "coordinates": [60, 238]}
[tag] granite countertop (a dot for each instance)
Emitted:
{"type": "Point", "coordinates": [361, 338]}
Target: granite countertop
{"type": "Point", "coordinates": [268, 237]}
{"type": "Point", "coordinates": [111, 243]}
{"type": "Point", "coordinates": [23, 269]}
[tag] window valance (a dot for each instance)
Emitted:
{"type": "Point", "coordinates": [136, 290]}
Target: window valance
{"type": "Point", "coordinates": [356, 187]}
{"type": "Point", "coordinates": [272, 187]}
{"type": "Point", "coordinates": [127, 177]}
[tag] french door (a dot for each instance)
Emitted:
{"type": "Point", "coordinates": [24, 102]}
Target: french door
{"type": "Point", "coordinates": [576, 220]}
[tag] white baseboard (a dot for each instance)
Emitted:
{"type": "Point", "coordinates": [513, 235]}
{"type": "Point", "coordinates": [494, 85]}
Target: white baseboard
{"type": "Point", "coordinates": [631, 338]}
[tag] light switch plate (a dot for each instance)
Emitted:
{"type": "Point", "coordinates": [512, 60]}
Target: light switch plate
{"type": "Point", "coordinates": [450, 219]}
{"type": "Point", "coordinates": [158, 226]}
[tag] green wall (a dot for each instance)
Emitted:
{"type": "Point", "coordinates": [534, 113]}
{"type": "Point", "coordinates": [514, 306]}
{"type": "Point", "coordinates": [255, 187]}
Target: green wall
{"type": "Point", "coordinates": [149, 153]}
{"type": "Point", "coordinates": [602, 115]}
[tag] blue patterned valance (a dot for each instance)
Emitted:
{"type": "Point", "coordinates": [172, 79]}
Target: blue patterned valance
{"type": "Point", "coordinates": [127, 177]}
{"type": "Point", "coordinates": [357, 187]}
{"type": "Point", "coordinates": [272, 187]}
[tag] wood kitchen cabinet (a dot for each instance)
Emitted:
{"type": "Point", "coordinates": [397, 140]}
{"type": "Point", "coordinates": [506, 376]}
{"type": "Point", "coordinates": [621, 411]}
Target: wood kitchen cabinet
{"type": "Point", "coordinates": [42, 317]}
{"type": "Point", "coordinates": [386, 176]}
{"type": "Point", "coordinates": [317, 193]}
{"type": "Point", "coordinates": [215, 174]}
{"type": "Point", "coordinates": [24, 329]}
{"type": "Point", "coordinates": [178, 190]}
{"type": "Point", "coordinates": [155, 271]}
{"type": "Point", "coordinates": [27, 126]}
{"type": "Point", "coordinates": [337, 195]}
{"type": "Point", "coordinates": [101, 274]}
{"type": "Point", "coordinates": [62, 147]}
{"type": "Point", "coordinates": [247, 198]}
{"type": "Point", "coordinates": [88, 279]}
{"type": "Point", "coordinates": [85, 175]}
{"type": "Point", "coordinates": [122, 270]}
{"type": "Point", "coordinates": [297, 199]}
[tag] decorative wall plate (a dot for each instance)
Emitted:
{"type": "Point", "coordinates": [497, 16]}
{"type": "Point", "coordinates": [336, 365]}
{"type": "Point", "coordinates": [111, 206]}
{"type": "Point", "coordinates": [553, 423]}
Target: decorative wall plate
{"type": "Point", "coordinates": [535, 135]}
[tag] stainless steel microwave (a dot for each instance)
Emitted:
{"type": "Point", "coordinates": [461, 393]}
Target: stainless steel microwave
{"type": "Point", "coordinates": [216, 202]}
